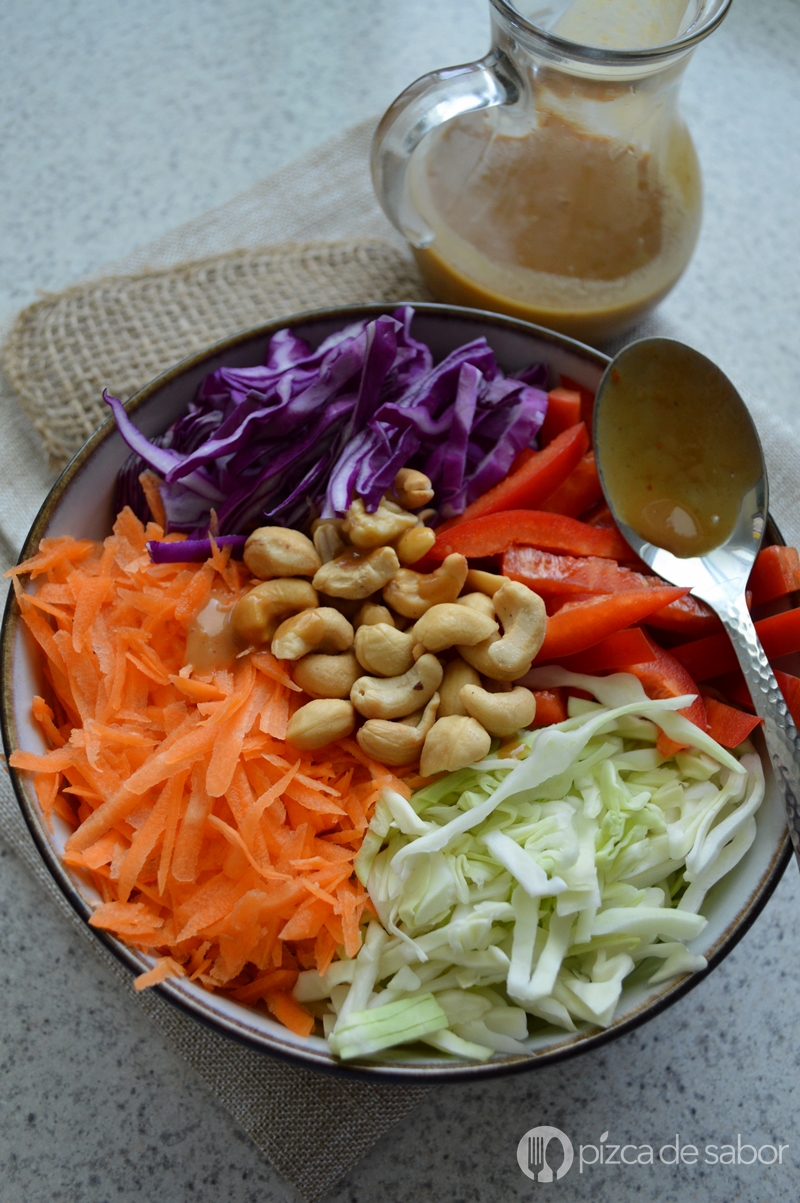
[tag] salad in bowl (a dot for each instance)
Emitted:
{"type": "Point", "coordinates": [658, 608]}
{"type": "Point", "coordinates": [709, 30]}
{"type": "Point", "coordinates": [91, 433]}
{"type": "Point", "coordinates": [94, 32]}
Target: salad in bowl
{"type": "Point", "coordinates": [340, 707]}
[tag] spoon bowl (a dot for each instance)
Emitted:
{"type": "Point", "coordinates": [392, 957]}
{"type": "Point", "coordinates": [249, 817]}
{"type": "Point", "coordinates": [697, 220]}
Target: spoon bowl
{"type": "Point", "coordinates": [683, 473]}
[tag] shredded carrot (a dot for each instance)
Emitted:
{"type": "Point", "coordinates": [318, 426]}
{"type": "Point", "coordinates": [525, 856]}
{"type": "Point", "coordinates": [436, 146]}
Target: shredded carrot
{"type": "Point", "coordinates": [150, 483]}
{"type": "Point", "coordinates": [290, 1013]}
{"type": "Point", "coordinates": [215, 846]}
{"type": "Point", "coordinates": [44, 717]}
{"type": "Point", "coordinates": [163, 968]}
{"type": "Point", "coordinates": [198, 691]}
{"type": "Point", "coordinates": [273, 667]}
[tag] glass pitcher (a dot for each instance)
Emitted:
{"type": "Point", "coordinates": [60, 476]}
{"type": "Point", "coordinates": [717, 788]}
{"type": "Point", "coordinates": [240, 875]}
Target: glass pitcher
{"type": "Point", "coordinates": [551, 180]}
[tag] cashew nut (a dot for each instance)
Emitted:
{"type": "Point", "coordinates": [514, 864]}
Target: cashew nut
{"type": "Point", "coordinates": [414, 544]}
{"type": "Point", "coordinates": [522, 613]}
{"type": "Point", "coordinates": [457, 674]}
{"type": "Point", "coordinates": [324, 676]}
{"type": "Point", "coordinates": [411, 489]}
{"type": "Point", "coordinates": [485, 582]}
{"type": "Point", "coordinates": [477, 601]}
{"type": "Point", "coordinates": [255, 617]}
{"type": "Point", "coordinates": [383, 650]}
{"type": "Point", "coordinates": [327, 536]}
{"type": "Point", "coordinates": [370, 614]}
{"type": "Point", "coordinates": [501, 714]}
{"type": "Point", "coordinates": [320, 630]}
{"type": "Point", "coordinates": [412, 593]}
{"type": "Point", "coordinates": [319, 723]}
{"type": "Point", "coordinates": [277, 551]}
{"type": "Point", "coordinates": [452, 743]}
{"type": "Point", "coordinates": [297, 635]}
{"type": "Point", "coordinates": [356, 574]}
{"type": "Point", "coordinates": [398, 742]}
{"type": "Point", "coordinates": [449, 624]}
{"type": "Point", "coordinates": [367, 530]}
{"type": "Point", "coordinates": [395, 697]}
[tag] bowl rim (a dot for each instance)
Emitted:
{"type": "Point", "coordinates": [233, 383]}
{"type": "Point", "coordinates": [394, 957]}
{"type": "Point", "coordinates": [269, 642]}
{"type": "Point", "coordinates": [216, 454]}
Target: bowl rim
{"type": "Point", "coordinates": [310, 1058]}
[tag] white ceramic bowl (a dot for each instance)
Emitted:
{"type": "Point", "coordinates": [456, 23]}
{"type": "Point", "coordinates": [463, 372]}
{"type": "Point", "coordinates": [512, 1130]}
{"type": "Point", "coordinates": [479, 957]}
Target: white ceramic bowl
{"type": "Point", "coordinates": [80, 504]}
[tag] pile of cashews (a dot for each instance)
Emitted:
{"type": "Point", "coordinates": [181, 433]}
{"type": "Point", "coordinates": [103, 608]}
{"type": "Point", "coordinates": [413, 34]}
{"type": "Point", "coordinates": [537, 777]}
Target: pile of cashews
{"type": "Point", "coordinates": [427, 660]}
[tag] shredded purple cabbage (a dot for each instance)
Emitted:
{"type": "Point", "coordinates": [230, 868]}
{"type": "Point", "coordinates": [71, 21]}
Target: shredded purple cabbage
{"type": "Point", "coordinates": [305, 433]}
{"type": "Point", "coordinates": [188, 550]}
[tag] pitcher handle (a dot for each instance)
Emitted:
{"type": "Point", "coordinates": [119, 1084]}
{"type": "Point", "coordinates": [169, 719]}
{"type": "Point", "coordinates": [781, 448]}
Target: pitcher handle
{"type": "Point", "coordinates": [426, 104]}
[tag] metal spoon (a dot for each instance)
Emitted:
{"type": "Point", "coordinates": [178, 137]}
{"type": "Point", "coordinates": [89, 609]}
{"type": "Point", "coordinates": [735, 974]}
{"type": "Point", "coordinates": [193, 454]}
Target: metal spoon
{"type": "Point", "coordinates": [652, 392]}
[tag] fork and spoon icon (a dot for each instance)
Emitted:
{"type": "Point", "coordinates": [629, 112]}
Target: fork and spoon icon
{"type": "Point", "coordinates": [537, 1163]}
{"type": "Point", "coordinates": [532, 1153]}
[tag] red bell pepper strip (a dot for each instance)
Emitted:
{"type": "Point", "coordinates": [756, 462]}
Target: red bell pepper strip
{"type": "Point", "coordinates": [494, 534]}
{"type": "Point", "coordinates": [534, 482]}
{"type": "Point", "coordinates": [614, 653]}
{"type": "Point", "coordinates": [736, 690]}
{"type": "Point", "coordinates": [714, 655]}
{"type": "Point", "coordinates": [563, 411]}
{"type": "Point", "coordinates": [527, 453]}
{"type": "Point", "coordinates": [790, 688]}
{"type": "Point", "coordinates": [579, 491]}
{"type": "Point", "coordinates": [728, 726]}
{"type": "Point", "coordinates": [776, 572]}
{"type": "Point", "coordinates": [587, 401]}
{"type": "Point", "coordinates": [667, 747]}
{"type": "Point", "coordinates": [553, 576]}
{"type": "Point", "coordinates": [687, 616]}
{"type": "Point", "coordinates": [598, 515]}
{"type": "Point", "coordinates": [550, 707]}
{"type": "Point", "coordinates": [665, 677]}
{"type": "Point", "coordinates": [581, 624]}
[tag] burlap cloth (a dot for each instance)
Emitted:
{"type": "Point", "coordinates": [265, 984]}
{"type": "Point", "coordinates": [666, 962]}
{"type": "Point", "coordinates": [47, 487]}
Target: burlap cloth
{"type": "Point", "coordinates": [121, 330]}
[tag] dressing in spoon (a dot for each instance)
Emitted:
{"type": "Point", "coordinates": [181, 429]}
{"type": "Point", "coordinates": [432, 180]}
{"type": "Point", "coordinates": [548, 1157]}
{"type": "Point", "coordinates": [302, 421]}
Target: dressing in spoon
{"type": "Point", "coordinates": [682, 470]}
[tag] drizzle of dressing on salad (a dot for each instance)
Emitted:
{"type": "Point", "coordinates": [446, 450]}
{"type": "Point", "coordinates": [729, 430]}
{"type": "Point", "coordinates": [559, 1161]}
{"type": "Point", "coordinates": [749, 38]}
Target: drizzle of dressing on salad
{"type": "Point", "coordinates": [210, 644]}
{"type": "Point", "coordinates": [677, 450]}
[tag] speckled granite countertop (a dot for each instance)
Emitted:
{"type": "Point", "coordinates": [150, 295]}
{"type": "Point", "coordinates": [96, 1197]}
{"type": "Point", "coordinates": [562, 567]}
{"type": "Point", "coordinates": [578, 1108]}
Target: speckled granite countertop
{"type": "Point", "coordinates": [120, 121]}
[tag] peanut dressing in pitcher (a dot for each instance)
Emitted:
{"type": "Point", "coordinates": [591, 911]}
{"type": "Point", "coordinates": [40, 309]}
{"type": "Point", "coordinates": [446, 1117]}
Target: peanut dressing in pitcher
{"type": "Point", "coordinates": [562, 227]}
{"type": "Point", "coordinates": [578, 207]}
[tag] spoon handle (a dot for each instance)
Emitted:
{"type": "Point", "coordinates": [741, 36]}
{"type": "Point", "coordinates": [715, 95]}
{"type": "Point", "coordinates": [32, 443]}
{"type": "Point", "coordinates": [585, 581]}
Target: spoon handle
{"type": "Point", "coordinates": [780, 733]}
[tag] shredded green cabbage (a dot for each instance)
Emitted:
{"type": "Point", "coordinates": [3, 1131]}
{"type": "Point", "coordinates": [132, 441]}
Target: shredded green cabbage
{"type": "Point", "coordinates": [533, 887]}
